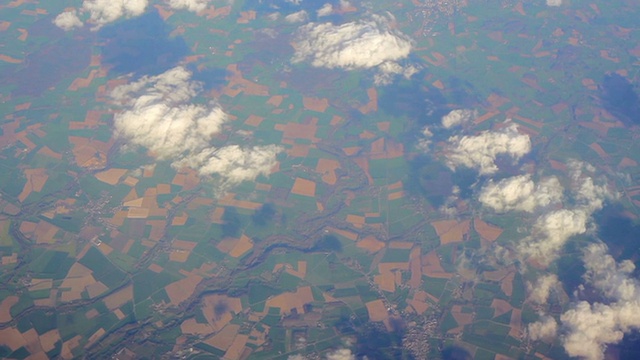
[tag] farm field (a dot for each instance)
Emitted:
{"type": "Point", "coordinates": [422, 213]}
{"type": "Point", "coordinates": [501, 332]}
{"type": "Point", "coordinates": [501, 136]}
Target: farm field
{"type": "Point", "coordinates": [259, 180]}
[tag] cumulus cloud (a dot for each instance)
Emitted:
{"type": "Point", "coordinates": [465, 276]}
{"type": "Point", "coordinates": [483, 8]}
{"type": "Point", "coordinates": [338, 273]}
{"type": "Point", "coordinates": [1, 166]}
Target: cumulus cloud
{"type": "Point", "coordinates": [68, 20]}
{"type": "Point", "coordinates": [551, 232]}
{"type": "Point", "coordinates": [191, 5]}
{"type": "Point", "coordinates": [544, 329]}
{"type": "Point", "coordinates": [328, 9]}
{"type": "Point", "coordinates": [362, 44]}
{"type": "Point", "coordinates": [589, 328]}
{"type": "Point", "coordinates": [520, 193]}
{"type": "Point", "coordinates": [102, 12]}
{"type": "Point", "coordinates": [325, 10]}
{"type": "Point", "coordinates": [345, 4]}
{"type": "Point", "coordinates": [612, 278]}
{"type": "Point", "coordinates": [160, 116]}
{"type": "Point", "coordinates": [299, 16]}
{"type": "Point", "coordinates": [480, 151]}
{"type": "Point", "coordinates": [540, 290]}
{"type": "Point", "coordinates": [457, 117]}
{"type": "Point", "coordinates": [341, 354]}
{"type": "Point", "coordinates": [388, 70]}
{"type": "Point", "coordinates": [424, 141]}
{"type": "Point", "coordinates": [233, 162]}
{"type": "Point", "coordinates": [554, 2]}
{"type": "Point", "coordinates": [588, 191]}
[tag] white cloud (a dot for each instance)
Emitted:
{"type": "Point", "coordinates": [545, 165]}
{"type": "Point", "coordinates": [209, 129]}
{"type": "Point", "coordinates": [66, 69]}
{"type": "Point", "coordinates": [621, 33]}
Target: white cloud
{"type": "Point", "coordinates": [586, 329]}
{"type": "Point", "coordinates": [589, 192]}
{"type": "Point", "coordinates": [544, 329]}
{"type": "Point", "coordinates": [388, 70]}
{"type": "Point", "coordinates": [345, 4]}
{"type": "Point", "coordinates": [341, 354]}
{"type": "Point", "coordinates": [551, 232]}
{"type": "Point", "coordinates": [191, 5]}
{"type": "Point", "coordinates": [424, 142]}
{"type": "Point", "coordinates": [363, 44]}
{"type": "Point", "coordinates": [554, 2]}
{"type": "Point", "coordinates": [325, 10]}
{"type": "Point", "coordinates": [520, 193]}
{"type": "Point", "coordinates": [457, 117]}
{"type": "Point", "coordinates": [612, 278]}
{"type": "Point", "coordinates": [234, 163]}
{"type": "Point", "coordinates": [299, 16]}
{"type": "Point", "coordinates": [480, 151]}
{"type": "Point", "coordinates": [68, 20]}
{"type": "Point", "coordinates": [160, 116]}
{"type": "Point", "coordinates": [102, 12]}
{"type": "Point", "coordinates": [589, 328]}
{"type": "Point", "coordinates": [540, 290]}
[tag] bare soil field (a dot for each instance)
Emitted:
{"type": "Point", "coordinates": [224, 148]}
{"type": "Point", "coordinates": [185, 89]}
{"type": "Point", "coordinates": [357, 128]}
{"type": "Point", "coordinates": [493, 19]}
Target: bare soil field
{"type": "Point", "coordinates": [290, 300]}
{"type": "Point", "coordinates": [5, 308]}
{"type": "Point", "coordinates": [386, 281]}
{"type": "Point", "coordinates": [304, 187]}
{"type": "Point", "coordinates": [451, 231]}
{"type": "Point", "coordinates": [500, 306]}
{"type": "Point", "coordinates": [219, 309]}
{"type": "Point", "coordinates": [461, 318]}
{"type": "Point", "coordinates": [237, 347]}
{"type": "Point", "coordinates": [315, 104]}
{"type": "Point", "coordinates": [327, 167]}
{"type": "Point", "coordinates": [46, 151]}
{"type": "Point", "coordinates": [224, 338]}
{"type": "Point", "coordinates": [45, 233]}
{"type": "Point", "coordinates": [372, 105]}
{"type": "Point", "coordinates": [192, 327]}
{"type": "Point", "coordinates": [486, 231]}
{"type": "Point", "coordinates": [254, 120]}
{"type": "Point", "coordinates": [415, 266]}
{"type": "Point", "coordinates": [36, 178]}
{"type": "Point", "coordinates": [119, 298]}
{"type": "Point", "coordinates": [182, 289]}
{"type": "Point", "coordinates": [507, 284]}
{"type": "Point", "coordinates": [178, 255]}
{"type": "Point", "coordinates": [377, 310]}
{"type": "Point", "coordinates": [431, 266]}
{"type": "Point", "coordinates": [48, 340]}
{"type": "Point", "coordinates": [294, 130]}
{"type": "Point", "coordinates": [243, 245]}
{"type": "Point", "coordinates": [516, 323]}
{"type": "Point", "coordinates": [69, 345]}
{"type": "Point", "coordinates": [371, 244]}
